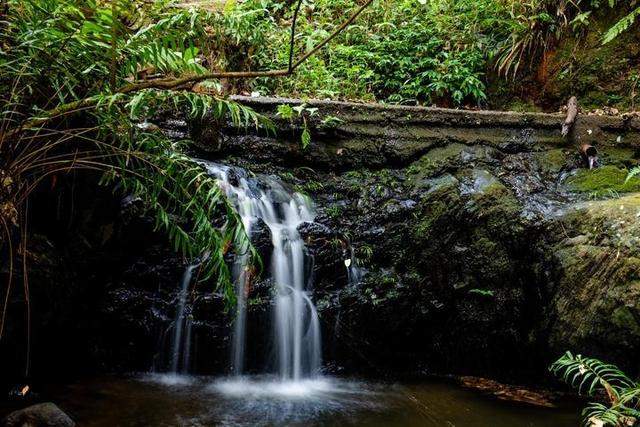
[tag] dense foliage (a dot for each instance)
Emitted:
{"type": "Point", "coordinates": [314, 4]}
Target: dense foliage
{"type": "Point", "coordinates": [405, 51]}
{"type": "Point", "coordinates": [592, 376]}
{"type": "Point", "coordinates": [60, 58]}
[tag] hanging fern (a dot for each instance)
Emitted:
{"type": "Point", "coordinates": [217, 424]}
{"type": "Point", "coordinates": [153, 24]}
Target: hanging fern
{"type": "Point", "coordinates": [60, 57]}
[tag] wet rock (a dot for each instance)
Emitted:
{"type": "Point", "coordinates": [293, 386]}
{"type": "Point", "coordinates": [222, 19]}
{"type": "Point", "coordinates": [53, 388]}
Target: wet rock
{"type": "Point", "coordinates": [595, 309]}
{"type": "Point", "coordinates": [206, 134]}
{"type": "Point", "coordinates": [475, 262]}
{"type": "Point", "coordinates": [261, 240]}
{"type": "Point", "coordinates": [326, 250]}
{"type": "Point", "coordinates": [311, 231]}
{"type": "Point", "coordinates": [479, 181]}
{"type": "Point", "coordinates": [524, 141]}
{"type": "Point", "coordinates": [40, 415]}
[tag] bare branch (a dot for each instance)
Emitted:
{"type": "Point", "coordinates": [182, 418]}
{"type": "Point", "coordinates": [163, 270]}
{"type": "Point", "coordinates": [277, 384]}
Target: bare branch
{"type": "Point", "coordinates": [293, 34]}
{"type": "Point", "coordinates": [341, 28]}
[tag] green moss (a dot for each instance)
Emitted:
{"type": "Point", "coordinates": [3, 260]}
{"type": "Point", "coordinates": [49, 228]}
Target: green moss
{"type": "Point", "coordinates": [333, 211]}
{"type": "Point", "coordinates": [619, 156]}
{"type": "Point", "coordinates": [604, 179]}
{"type": "Point", "coordinates": [442, 199]}
{"type": "Point", "coordinates": [429, 216]}
{"type": "Point", "coordinates": [500, 210]}
{"type": "Point", "coordinates": [310, 187]}
{"type": "Point", "coordinates": [523, 106]}
{"type": "Point", "coordinates": [497, 195]}
{"type": "Point", "coordinates": [623, 318]}
{"type": "Point", "coordinates": [492, 260]}
{"type": "Point", "coordinates": [551, 161]}
{"type": "Point", "coordinates": [434, 161]}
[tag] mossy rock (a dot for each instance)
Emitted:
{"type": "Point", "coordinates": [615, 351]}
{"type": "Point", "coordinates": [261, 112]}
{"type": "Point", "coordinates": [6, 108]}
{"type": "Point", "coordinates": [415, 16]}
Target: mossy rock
{"type": "Point", "coordinates": [496, 199]}
{"type": "Point", "coordinates": [604, 179]}
{"type": "Point", "coordinates": [551, 161]}
{"type": "Point", "coordinates": [435, 160]}
{"type": "Point", "coordinates": [622, 157]}
{"type": "Point", "coordinates": [611, 222]}
{"type": "Point", "coordinates": [596, 306]}
{"type": "Point", "coordinates": [440, 202]}
{"type": "Point", "coordinates": [441, 159]}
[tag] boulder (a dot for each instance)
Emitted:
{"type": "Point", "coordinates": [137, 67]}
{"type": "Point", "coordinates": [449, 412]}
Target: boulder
{"type": "Point", "coordinates": [596, 305]}
{"type": "Point", "coordinates": [40, 415]}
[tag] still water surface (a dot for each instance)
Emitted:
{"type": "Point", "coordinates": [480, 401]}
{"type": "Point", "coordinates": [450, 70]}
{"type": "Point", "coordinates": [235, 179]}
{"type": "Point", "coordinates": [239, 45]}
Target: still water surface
{"type": "Point", "coordinates": [166, 400]}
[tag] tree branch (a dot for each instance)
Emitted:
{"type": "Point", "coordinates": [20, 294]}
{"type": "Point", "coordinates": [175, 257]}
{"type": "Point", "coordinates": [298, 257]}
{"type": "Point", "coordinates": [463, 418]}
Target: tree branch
{"type": "Point", "coordinates": [293, 34]}
{"type": "Point", "coordinates": [572, 113]}
{"type": "Point", "coordinates": [341, 28]}
{"type": "Point", "coordinates": [173, 83]}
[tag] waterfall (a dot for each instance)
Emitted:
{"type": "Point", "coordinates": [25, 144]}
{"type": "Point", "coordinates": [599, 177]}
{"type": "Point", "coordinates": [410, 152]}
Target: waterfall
{"type": "Point", "coordinates": [296, 325]}
{"type": "Point", "coordinates": [354, 271]}
{"type": "Point", "coordinates": [181, 343]}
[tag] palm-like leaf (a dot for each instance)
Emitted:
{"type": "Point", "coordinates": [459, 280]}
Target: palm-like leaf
{"type": "Point", "coordinates": [63, 56]}
{"type": "Point", "coordinates": [621, 26]}
{"type": "Point", "coordinates": [589, 375]}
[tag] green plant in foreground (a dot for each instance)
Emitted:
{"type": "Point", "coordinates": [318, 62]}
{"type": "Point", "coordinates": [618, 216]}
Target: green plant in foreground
{"type": "Point", "coordinates": [301, 112]}
{"type": "Point", "coordinates": [591, 376]}
{"type": "Point", "coordinates": [79, 79]}
{"type": "Point", "coordinates": [75, 97]}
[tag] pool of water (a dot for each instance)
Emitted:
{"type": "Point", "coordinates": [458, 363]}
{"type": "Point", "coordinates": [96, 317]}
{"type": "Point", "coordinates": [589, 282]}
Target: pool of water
{"type": "Point", "coordinates": [169, 400]}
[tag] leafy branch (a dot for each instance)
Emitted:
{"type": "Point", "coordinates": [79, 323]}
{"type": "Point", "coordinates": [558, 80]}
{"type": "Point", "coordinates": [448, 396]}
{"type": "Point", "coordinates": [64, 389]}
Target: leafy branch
{"type": "Point", "coordinates": [590, 376]}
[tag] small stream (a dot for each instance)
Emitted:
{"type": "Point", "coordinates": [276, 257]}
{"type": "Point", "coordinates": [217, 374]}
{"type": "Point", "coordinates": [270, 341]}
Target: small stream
{"type": "Point", "coordinates": [170, 400]}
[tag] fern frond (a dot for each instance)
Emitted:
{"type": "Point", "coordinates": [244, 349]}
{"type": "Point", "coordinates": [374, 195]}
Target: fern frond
{"type": "Point", "coordinates": [588, 375]}
{"type": "Point", "coordinates": [633, 172]}
{"type": "Point", "coordinates": [621, 26]}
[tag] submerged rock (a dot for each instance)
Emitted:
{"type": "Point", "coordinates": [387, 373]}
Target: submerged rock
{"type": "Point", "coordinates": [40, 415]}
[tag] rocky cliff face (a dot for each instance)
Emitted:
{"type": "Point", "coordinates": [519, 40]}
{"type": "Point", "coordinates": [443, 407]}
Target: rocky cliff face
{"type": "Point", "coordinates": [595, 305]}
{"type": "Point", "coordinates": [486, 245]}
{"type": "Point", "coordinates": [477, 244]}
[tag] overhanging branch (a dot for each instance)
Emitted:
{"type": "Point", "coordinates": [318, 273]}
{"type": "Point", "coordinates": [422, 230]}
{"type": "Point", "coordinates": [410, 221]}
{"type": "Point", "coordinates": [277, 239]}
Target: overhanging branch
{"type": "Point", "coordinates": [173, 83]}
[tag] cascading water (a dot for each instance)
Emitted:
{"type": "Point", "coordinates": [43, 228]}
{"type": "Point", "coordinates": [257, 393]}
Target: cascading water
{"type": "Point", "coordinates": [181, 342]}
{"type": "Point", "coordinates": [354, 271]}
{"type": "Point", "coordinates": [296, 324]}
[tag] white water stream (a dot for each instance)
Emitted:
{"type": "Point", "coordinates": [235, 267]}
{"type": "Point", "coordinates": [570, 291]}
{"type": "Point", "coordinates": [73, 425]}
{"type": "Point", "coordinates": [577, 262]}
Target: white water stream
{"type": "Point", "coordinates": [296, 325]}
{"type": "Point", "coordinates": [181, 343]}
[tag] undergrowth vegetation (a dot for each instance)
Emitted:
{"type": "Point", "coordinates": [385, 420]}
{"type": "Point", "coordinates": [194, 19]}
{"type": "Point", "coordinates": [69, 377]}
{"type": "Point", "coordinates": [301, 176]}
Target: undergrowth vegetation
{"type": "Point", "coordinates": [79, 82]}
{"type": "Point", "coordinates": [444, 52]}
